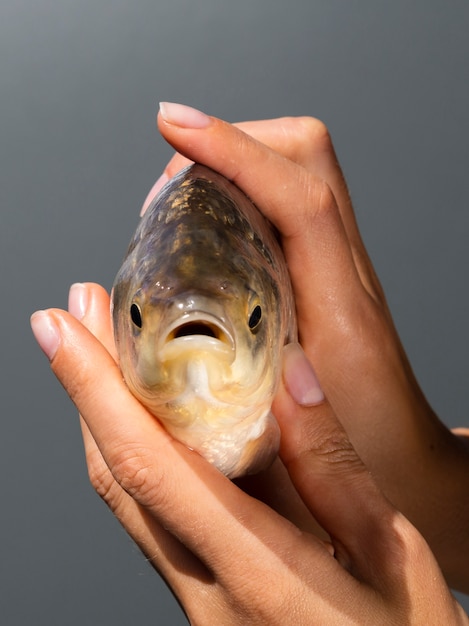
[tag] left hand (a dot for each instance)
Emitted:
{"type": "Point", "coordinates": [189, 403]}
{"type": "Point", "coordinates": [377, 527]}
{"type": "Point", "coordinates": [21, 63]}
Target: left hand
{"type": "Point", "coordinates": [228, 557]}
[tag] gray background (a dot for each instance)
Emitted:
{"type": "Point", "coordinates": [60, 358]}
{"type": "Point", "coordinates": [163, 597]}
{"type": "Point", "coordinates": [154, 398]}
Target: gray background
{"type": "Point", "coordinates": [79, 86]}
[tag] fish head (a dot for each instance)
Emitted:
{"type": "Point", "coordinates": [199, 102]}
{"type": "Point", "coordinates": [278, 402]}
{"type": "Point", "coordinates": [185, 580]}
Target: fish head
{"type": "Point", "coordinates": [223, 332]}
{"type": "Point", "coordinates": [201, 312]}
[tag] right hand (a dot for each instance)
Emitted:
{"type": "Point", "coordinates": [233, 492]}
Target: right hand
{"type": "Point", "coordinates": [290, 170]}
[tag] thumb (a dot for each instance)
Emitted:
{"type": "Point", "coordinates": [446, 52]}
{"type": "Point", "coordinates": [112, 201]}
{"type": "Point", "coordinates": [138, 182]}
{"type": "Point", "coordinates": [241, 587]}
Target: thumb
{"type": "Point", "coordinates": [327, 472]}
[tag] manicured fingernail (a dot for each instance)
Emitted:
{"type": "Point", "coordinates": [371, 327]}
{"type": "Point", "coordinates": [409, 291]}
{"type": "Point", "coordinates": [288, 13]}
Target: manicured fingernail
{"type": "Point", "coordinates": [78, 300]}
{"type": "Point", "coordinates": [184, 116]}
{"type": "Point", "coordinates": [300, 377]}
{"type": "Point", "coordinates": [46, 333]}
{"type": "Point", "coordinates": [154, 191]}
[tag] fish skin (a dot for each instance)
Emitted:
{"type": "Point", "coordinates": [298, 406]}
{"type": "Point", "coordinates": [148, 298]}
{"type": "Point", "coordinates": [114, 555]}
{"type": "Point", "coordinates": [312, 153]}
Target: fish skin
{"type": "Point", "coordinates": [201, 260]}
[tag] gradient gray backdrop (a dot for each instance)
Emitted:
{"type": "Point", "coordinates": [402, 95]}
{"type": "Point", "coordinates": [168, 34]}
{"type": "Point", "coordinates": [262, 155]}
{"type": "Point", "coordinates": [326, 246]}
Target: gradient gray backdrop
{"type": "Point", "coordinates": [79, 85]}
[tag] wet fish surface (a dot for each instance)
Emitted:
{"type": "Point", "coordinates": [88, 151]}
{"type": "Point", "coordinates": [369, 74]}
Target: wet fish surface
{"type": "Point", "coordinates": [202, 307]}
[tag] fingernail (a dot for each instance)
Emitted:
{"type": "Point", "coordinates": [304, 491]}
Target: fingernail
{"type": "Point", "coordinates": [46, 333]}
{"type": "Point", "coordinates": [154, 191]}
{"type": "Point", "coordinates": [78, 300]}
{"type": "Point", "coordinates": [184, 116]}
{"type": "Point", "coordinates": [300, 378]}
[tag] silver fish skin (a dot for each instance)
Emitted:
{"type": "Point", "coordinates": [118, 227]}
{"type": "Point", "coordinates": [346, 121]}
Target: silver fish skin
{"type": "Point", "coordinates": [202, 307]}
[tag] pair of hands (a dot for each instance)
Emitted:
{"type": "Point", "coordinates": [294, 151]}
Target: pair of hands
{"type": "Point", "coordinates": [252, 552]}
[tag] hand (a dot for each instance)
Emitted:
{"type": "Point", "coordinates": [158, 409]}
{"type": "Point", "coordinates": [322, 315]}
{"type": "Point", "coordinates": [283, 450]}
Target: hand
{"type": "Point", "coordinates": [228, 557]}
{"type": "Point", "coordinates": [291, 171]}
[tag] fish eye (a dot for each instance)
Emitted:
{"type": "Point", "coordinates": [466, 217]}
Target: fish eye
{"type": "Point", "coordinates": [255, 318]}
{"type": "Point", "coordinates": [136, 315]}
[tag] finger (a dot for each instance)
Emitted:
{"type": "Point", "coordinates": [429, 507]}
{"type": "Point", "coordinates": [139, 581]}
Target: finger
{"type": "Point", "coordinates": [372, 540]}
{"type": "Point", "coordinates": [95, 301]}
{"type": "Point", "coordinates": [299, 204]}
{"type": "Point", "coordinates": [307, 142]}
{"type": "Point", "coordinates": [184, 572]}
{"type": "Point", "coordinates": [90, 303]}
{"type": "Point", "coordinates": [262, 173]}
{"type": "Point", "coordinates": [214, 519]}
{"type": "Point", "coordinates": [303, 140]}
{"type": "Point", "coordinates": [285, 135]}
{"type": "Point", "coordinates": [180, 568]}
{"type": "Point", "coordinates": [331, 478]}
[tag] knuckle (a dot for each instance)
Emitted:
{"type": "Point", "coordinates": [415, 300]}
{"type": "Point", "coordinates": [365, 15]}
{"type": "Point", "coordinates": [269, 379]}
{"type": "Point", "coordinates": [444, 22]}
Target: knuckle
{"type": "Point", "coordinates": [102, 480]}
{"type": "Point", "coordinates": [327, 449]}
{"type": "Point", "coordinates": [135, 470]}
{"type": "Point", "coordinates": [306, 136]}
{"type": "Point", "coordinates": [316, 131]}
{"type": "Point", "coordinates": [99, 475]}
{"type": "Point", "coordinates": [320, 208]}
{"type": "Point", "coordinates": [335, 449]}
{"type": "Point", "coordinates": [313, 137]}
{"type": "Point", "coordinates": [306, 127]}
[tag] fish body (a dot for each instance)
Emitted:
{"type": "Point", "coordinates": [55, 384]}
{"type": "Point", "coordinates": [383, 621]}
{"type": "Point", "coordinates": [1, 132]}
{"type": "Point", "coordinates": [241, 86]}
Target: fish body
{"type": "Point", "coordinates": [202, 307]}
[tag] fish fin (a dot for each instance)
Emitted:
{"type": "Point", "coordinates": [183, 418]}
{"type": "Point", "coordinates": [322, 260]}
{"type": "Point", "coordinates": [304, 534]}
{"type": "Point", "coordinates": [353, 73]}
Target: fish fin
{"type": "Point", "coordinates": [259, 453]}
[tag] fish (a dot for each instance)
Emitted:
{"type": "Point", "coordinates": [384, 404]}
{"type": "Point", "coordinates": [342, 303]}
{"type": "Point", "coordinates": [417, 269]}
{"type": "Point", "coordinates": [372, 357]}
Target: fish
{"type": "Point", "coordinates": [202, 307]}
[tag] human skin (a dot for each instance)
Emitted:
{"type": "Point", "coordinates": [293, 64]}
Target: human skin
{"type": "Point", "coordinates": [346, 328]}
{"type": "Point", "coordinates": [228, 557]}
{"type": "Point", "coordinates": [228, 553]}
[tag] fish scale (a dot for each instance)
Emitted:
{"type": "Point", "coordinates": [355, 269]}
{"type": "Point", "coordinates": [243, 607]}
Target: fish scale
{"type": "Point", "coordinates": [202, 307]}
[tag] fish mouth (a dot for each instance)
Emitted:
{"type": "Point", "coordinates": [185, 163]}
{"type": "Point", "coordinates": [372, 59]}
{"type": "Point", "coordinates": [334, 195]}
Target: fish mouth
{"type": "Point", "coordinates": [198, 331]}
